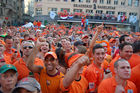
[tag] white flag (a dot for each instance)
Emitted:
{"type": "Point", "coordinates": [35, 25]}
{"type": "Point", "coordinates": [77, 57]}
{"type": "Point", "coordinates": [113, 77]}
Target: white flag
{"type": "Point", "coordinates": [52, 14]}
{"type": "Point", "coordinates": [119, 18]}
{"type": "Point", "coordinates": [130, 18]}
{"type": "Point", "coordinates": [134, 19]}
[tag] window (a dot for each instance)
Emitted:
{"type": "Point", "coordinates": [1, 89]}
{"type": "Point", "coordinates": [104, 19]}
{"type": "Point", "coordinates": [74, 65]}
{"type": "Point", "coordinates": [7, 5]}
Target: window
{"type": "Point", "coordinates": [38, 0]}
{"type": "Point", "coordinates": [122, 3]}
{"type": "Point", "coordinates": [94, 1]}
{"type": "Point", "coordinates": [121, 13]}
{"type": "Point", "coordinates": [99, 11]}
{"type": "Point", "coordinates": [67, 9]}
{"type": "Point", "coordinates": [1, 12]}
{"type": "Point", "coordinates": [137, 3]}
{"type": "Point", "coordinates": [72, 0]}
{"type": "Point", "coordinates": [132, 13]}
{"type": "Point", "coordinates": [87, 1]}
{"type": "Point", "coordinates": [108, 1]}
{"type": "Point", "coordinates": [115, 2]}
{"type": "Point", "coordinates": [57, 0]}
{"type": "Point", "coordinates": [77, 10]}
{"type": "Point", "coordinates": [80, 0]}
{"type": "Point", "coordinates": [89, 11]}
{"type": "Point", "coordinates": [54, 9]}
{"type": "Point", "coordinates": [110, 12]}
{"type": "Point", "coordinates": [94, 6]}
{"type": "Point", "coordinates": [65, 0]}
{"type": "Point", "coordinates": [38, 11]}
{"type": "Point", "coordinates": [129, 2]}
{"type": "Point", "coordinates": [101, 1]}
{"type": "Point", "coordinates": [17, 7]}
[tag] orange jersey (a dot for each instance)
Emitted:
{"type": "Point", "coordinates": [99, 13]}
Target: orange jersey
{"type": "Point", "coordinates": [94, 76]}
{"type": "Point", "coordinates": [77, 86]}
{"type": "Point", "coordinates": [50, 84]}
{"type": "Point", "coordinates": [6, 54]}
{"type": "Point", "coordinates": [134, 60]}
{"type": "Point", "coordinates": [135, 76]}
{"type": "Point", "coordinates": [7, 59]}
{"type": "Point", "coordinates": [112, 64]}
{"type": "Point", "coordinates": [22, 68]}
{"type": "Point", "coordinates": [109, 86]}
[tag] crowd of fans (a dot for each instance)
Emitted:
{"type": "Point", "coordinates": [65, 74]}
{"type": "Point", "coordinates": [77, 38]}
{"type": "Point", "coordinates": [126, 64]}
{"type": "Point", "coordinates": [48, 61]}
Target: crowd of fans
{"type": "Point", "coordinates": [58, 59]}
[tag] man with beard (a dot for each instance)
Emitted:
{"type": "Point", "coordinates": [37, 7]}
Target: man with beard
{"type": "Point", "coordinates": [8, 78]}
{"type": "Point", "coordinates": [118, 83]}
{"type": "Point", "coordinates": [49, 75]}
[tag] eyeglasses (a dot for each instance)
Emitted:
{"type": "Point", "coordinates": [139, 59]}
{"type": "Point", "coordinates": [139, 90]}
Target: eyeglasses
{"type": "Point", "coordinates": [25, 47]}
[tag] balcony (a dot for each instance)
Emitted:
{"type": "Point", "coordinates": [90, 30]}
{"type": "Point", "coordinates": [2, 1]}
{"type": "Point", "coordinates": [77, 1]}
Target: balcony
{"type": "Point", "coordinates": [96, 19]}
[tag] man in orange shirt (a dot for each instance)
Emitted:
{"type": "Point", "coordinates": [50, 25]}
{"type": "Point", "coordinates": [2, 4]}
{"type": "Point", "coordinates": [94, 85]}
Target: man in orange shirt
{"type": "Point", "coordinates": [119, 83]}
{"type": "Point", "coordinates": [135, 76]}
{"type": "Point", "coordinates": [73, 82]}
{"type": "Point", "coordinates": [122, 39]}
{"type": "Point", "coordinates": [135, 59]}
{"type": "Point", "coordinates": [125, 52]}
{"type": "Point", "coordinates": [13, 54]}
{"type": "Point", "coordinates": [21, 65]}
{"type": "Point", "coordinates": [95, 72]}
{"type": "Point", "coordinates": [49, 75]}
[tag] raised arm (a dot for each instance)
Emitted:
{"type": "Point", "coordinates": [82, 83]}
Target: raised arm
{"type": "Point", "coordinates": [30, 61]}
{"type": "Point", "coordinates": [72, 73]}
{"type": "Point", "coordinates": [93, 41]}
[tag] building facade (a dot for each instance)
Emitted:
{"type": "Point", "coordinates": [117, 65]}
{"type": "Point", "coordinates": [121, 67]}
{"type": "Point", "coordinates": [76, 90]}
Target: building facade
{"type": "Point", "coordinates": [92, 7]}
{"type": "Point", "coordinates": [11, 12]}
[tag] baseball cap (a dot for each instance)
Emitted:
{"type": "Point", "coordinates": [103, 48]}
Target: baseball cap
{"type": "Point", "coordinates": [112, 40]}
{"type": "Point", "coordinates": [28, 83]}
{"type": "Point", "coordinates": [78, 43]}
{"type": "Point", "coordinates": [7, 67]}
{"type": "Point", "coordinates": [74, 58]}
{"type": "Point", "coordinates": [52, 54]}
{"type": "Point", "coordinates": [85, 36]}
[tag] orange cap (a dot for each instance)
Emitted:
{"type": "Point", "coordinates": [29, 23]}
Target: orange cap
{"type": "Point", "coordinates": [74, 58]}
{"type": "Point", "coordinates": [52, 54]}
{"type": "Point", "coordinates": [111, 40]}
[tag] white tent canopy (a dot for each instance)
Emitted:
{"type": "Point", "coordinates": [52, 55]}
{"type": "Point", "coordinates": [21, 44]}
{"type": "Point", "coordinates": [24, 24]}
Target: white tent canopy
{"type": "Point", "coordinates": [28, 25]}
{"type": "Point", "coordinates": [42, 25]}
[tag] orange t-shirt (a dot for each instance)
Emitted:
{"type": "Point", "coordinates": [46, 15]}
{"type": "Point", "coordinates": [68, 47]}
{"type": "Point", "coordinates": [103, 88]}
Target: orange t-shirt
{"type": "Point", "coordinates": [23, 70]}
{"type": "Point", "coordinates": [49, 83]}
{"type": "Point", "coordinates": [94, 76]}
{"type": "Point", "coordinates": [109, 86]}
{"type": "Point", "coordinates": [7, 59]}
{"type": "Point", "coordinates": [77, 86]}
{"type": "Point", "coordinates": [6, 54]}
{"type": "Point", "coordinates": [135, 76]}
{"type": "Point", "coordinates": [134, 60]}
{"type": "Point", "coordinates": [112, 64]}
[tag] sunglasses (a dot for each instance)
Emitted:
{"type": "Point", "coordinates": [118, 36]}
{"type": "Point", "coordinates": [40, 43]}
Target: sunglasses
{"type": "Point", "coordinates": [25, 47]}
